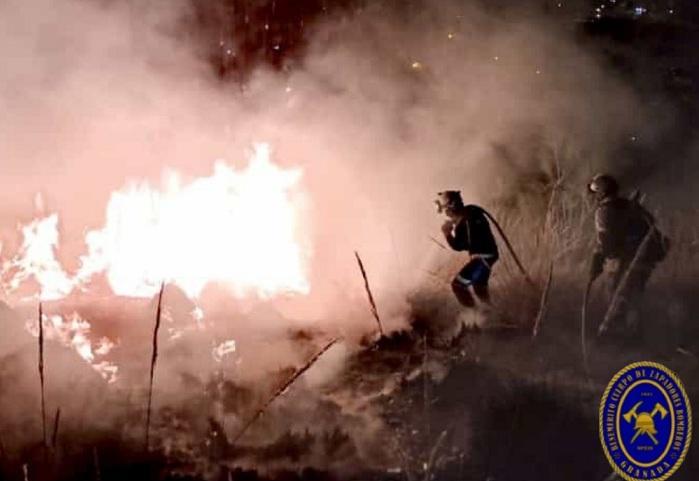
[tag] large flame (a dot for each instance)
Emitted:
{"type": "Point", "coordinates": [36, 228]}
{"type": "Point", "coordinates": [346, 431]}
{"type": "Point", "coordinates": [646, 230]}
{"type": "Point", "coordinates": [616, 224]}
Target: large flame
{"type": "Point", "coordinates": [239, 229]}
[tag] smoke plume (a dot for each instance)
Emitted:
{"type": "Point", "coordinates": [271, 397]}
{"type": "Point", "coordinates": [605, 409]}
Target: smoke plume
{"type": "Point", "coordinates": [385, 108]}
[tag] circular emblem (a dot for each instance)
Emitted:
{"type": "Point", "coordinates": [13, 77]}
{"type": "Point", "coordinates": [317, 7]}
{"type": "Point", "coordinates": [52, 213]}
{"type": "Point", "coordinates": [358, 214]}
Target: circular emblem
{"type": "Point", "coordinates": [645, 422]}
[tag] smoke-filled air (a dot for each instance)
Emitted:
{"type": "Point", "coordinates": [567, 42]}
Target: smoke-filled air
{"type": "Point", "coordinates": [223, 252]}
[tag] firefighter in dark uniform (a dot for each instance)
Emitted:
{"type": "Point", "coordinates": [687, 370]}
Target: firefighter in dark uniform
{"type": "Point", "coordinates": [621, 226]}
{"type": "Point", "coordinates": [467, 229]}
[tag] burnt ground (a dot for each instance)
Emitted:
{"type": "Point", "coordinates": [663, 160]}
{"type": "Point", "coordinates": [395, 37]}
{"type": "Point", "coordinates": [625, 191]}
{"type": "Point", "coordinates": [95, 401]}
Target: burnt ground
{"type": "Point", "coordinates": [492, 403]}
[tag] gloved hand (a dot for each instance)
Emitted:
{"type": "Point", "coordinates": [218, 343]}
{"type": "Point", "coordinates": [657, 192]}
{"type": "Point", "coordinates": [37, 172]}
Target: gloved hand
{"type": "Point", "coordinates": [596, 266]}
{"type": "Point", "coordinates": [448, 228]}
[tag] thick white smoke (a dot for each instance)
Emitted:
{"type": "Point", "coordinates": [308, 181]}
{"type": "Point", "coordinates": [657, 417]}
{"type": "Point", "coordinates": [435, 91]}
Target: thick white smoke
{"type": "Point", "coordinates": [384, 111]}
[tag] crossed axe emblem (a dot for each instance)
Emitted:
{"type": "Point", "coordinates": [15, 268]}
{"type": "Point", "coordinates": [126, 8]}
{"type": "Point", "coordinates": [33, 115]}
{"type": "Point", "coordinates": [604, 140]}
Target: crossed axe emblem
{"type": "Point", "coordinates": [645, 422]}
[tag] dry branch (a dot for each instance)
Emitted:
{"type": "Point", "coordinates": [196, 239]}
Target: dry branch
{"type": "Point", "coordinates": [281, 390]}
{"type": "Point", "coordinates": [153, 361]}
{"type": "Point", "coordinates": [374, 310]}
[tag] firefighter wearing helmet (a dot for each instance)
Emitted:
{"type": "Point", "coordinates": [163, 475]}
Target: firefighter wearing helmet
{"type": "Point", "coordinates": [467, 229]}
{"type": "Point", "coordinates": [621, 225]}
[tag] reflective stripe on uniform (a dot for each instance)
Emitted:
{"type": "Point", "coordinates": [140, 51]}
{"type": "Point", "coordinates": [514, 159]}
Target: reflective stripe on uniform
{"type": "Point", "coordinates": [463, 280]}
{"type": "Point", "coordinates": [484, 258]}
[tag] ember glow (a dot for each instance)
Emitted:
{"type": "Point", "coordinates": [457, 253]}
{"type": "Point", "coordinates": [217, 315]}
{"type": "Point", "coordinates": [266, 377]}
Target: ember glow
{"type": "Point", "coordinates": [238, 229]}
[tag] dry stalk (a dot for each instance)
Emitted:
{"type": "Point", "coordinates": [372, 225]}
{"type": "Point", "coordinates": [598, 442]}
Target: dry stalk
{"type": "Point", "coordinates": [41, 374]}
{"type": "Point", "coordinates": [543, 304]}
{"type": "Point", "coordinates": [433, 455]}
{"type": "Point", "coordinates": [438, 243]}
{"type": "Point", "coordinates": [374, 311]}
{"type": "Point", "coordinates": [426, 401]}
{"type": "Point", "coordinates": [56, 421]}
{"type": "Point", "coordinates": [154, 359]}
{"type": "Point", "coordinates": [281, 390]}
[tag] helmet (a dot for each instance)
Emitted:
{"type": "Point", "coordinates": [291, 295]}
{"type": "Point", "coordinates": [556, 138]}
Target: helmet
{"type": "Point", "coordinates": [449, 199]}
{"type": "Point", "coordinates": [603, 184]}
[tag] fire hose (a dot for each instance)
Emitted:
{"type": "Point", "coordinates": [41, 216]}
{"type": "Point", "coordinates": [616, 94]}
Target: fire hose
{"type": "Point", "coordinates": [621, 287]}
{"type": "Point", "coordinates": [509, 246]}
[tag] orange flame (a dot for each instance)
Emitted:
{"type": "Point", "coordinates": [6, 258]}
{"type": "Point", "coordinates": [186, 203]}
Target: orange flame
{"type": "Point", "coordinates": [239, 229]}
{"type": "Point", "coordinates": [36, 259]}
{"type": "Point", "coordinates": [74, 332]}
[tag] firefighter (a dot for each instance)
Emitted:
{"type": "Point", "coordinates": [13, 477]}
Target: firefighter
{"type": "Point", "coordinates": [467, 229]}
{"type": "Point", "coordinates": [621, 226]}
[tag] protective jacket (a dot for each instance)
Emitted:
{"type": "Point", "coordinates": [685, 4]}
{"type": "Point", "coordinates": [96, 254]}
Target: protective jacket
{"type": "Point", "coordinates": [472, 233]}
{"type": "Point", "coordinates": [621, 225]}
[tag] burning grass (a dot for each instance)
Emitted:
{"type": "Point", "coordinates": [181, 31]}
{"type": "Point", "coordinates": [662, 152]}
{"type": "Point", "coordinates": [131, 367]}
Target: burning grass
{"type": "Point", "coordinates": [439, 400]}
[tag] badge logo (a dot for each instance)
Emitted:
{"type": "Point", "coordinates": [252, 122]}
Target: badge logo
{"type": "Point", "coordinates": [645, 422]}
